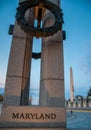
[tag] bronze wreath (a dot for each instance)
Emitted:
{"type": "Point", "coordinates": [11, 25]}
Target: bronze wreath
{"type": "Point", "coordinates": [35, 31]}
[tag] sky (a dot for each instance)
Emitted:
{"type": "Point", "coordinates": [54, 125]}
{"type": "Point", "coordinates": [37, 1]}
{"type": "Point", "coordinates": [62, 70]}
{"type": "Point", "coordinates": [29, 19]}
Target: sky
{"type": "Point", "coordinates": [77, 54]}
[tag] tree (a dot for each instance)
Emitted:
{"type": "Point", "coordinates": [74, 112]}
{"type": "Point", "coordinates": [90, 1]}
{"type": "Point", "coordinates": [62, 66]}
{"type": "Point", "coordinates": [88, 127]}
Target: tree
{"type": "Point", "coordinates": [1, 97]}
{"type": "Point", "coordinates": [79, 98]}
{"type": "Point", "coordinates": [89, 92]}
{"type": "Point", "coordinates": [89, 95]}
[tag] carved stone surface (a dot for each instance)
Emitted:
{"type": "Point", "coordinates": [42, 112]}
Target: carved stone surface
{"type": "Point", "coordinates": [33, 117]}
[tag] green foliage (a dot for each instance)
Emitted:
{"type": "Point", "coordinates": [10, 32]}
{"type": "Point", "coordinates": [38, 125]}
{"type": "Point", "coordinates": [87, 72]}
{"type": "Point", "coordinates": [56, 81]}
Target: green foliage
{"type": "Point", "coordinates": [79, 98]}
{"type": "Point", "coordinates": [1, 98]}
{"type": "Point", "coordinates": [89, 92]}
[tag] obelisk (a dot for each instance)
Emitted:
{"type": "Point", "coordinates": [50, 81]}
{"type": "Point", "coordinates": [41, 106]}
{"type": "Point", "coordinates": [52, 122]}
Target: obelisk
{"type": "Point", "coordinates": [71, 85]}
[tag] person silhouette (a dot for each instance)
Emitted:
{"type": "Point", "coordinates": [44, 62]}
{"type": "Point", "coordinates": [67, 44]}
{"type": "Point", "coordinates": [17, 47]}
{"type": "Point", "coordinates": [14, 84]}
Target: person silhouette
{"type": "Point", "coordinates": [71, 112]}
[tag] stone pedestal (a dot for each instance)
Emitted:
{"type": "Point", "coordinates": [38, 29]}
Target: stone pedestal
{"type": "Point", "coordinates": [32, 117]}
{"type": "Point", "coordinates": [33, 129]}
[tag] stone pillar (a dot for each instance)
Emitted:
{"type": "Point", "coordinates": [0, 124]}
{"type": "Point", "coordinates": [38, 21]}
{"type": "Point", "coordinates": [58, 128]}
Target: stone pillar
{"type": "Point", "coordinates": [18, 73]}
{"type": "Point", "coordinates": [89, 103]}
{"type": "Point", "coordinates": [79, 104]}
{"type": "Point", "coordinates": [52, 66]}
{"type": "Point", "coordinates": [69, 104]}
{"type": "Point", "coordinates": [74, 104]}
{"type": "Point", "coordinates": [84, 103]}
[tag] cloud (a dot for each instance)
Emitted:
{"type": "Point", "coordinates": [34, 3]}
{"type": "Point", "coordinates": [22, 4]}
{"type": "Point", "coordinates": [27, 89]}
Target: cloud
{"type": "Point", "coordinates": [2, 85]}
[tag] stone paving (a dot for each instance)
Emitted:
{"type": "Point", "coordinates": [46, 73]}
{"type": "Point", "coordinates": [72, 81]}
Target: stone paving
{"type": "Point", "coordinates": [79, 121]}
{"type": "Point", "coordinates": [78, 128]}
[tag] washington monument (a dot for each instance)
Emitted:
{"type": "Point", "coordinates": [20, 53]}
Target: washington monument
{"type": "Point", "coordinates": [71, 85]}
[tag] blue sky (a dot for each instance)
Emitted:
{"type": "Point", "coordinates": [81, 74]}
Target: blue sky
{"type": "Point", "coordinates": [77, 24]}
{"type": "Point", "coordinates": [77, 46]}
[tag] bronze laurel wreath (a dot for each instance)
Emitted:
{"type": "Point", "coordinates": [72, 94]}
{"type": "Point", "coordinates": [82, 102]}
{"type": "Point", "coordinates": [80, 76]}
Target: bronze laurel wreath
{"type": "Point", "coordinates": [36, 31]}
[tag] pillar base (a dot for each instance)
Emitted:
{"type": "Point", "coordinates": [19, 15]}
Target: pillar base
{"type": "Point", "coordinates": [33, 129]}
{"type": "Point", "coordinates": [20, 117]}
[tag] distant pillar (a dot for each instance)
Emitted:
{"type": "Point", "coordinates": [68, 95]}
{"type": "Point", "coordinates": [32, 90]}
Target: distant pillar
{"type": "Point", "coordinates": [18, 73]}
{"type": "Point", "coordinates": [71, 85]}
{"type": "Point", "coordinates": [52, 66]}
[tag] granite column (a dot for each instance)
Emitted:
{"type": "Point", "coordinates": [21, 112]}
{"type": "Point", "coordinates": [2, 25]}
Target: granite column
{"type": "Point", "coordinates": [18, 73]}
{"type": "Point", "coordinates": [52, 66]}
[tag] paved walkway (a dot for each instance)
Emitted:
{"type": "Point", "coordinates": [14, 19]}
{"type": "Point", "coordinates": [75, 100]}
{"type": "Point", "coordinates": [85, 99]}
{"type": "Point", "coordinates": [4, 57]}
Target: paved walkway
{"type": "Point", "coordinates": [78, 128]}
{"type": "Point", "coordinates": [79, 121]}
